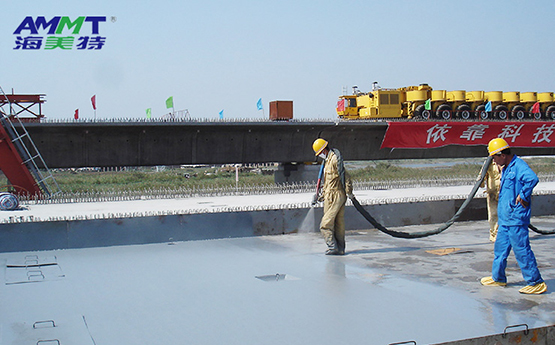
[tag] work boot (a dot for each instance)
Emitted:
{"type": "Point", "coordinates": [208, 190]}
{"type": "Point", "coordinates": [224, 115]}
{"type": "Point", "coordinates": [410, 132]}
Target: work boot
{"type": "Point", "coordinates": [488, 281]}
{"type": "Point", "coordinates": [332, 252]}
{"type": "Point", "coordinates": [534, 289]}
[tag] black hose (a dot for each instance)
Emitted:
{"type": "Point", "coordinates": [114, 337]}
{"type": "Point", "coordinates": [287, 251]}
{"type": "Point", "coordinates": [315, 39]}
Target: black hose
{"type": "Point", "coordinates": [543, 232]}
{"type": "Point", "coordinates": [442, 228]}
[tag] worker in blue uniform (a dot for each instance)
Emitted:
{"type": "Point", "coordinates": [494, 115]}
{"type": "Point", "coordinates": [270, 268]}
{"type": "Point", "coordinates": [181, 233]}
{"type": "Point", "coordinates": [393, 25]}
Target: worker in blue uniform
{"type": "Point", "coordinates": [517, 183]}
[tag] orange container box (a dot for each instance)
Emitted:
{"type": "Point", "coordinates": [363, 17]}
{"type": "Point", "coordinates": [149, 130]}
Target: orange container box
{"type": "Point", "coordinates": [281, 110]}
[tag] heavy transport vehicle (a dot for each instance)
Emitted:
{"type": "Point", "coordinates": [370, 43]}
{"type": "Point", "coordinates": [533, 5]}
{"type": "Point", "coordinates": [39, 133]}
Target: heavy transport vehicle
{"type": "Point", "coordinates": [424, 103]}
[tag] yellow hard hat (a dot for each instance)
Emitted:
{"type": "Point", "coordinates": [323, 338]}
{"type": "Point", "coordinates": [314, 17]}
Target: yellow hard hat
{"type": "Point", "coordinates": [497, 145]}
{"type": "Point", "coordinates": [319, 145]}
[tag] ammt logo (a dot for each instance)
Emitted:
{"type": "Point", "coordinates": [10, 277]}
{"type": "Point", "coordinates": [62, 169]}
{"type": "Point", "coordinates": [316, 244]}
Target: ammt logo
{"type": "Point", "coordinates": [57, 30]}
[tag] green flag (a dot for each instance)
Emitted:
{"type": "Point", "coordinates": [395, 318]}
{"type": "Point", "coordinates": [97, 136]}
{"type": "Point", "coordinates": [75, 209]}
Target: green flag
{"type": "Point", "coordinates": [428, 105]}
{"type": "Point", "coordinates": [148, 113]}
{"type": "Point", "coordinates": [169, 102]}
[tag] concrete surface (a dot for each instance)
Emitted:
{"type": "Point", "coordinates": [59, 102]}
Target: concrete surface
{"type": "Point", "coordinates": [384, 290]}
{"type": "Point", "coordinates": [269, 289]}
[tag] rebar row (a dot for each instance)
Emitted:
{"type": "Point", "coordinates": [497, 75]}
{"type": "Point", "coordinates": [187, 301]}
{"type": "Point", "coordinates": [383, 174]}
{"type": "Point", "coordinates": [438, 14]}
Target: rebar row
{"type": "Point", "coordinates": [183, 120]}
{"type": "Point", "coordinates": [235, 209]}
{"type": "Point", "coordinates": [209, 191]}
{"type": "Point", "coordinates": [244, 190]}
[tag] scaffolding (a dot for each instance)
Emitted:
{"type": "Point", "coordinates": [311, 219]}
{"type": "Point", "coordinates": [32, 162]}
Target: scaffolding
{"type": "Point", "coordinates": [28, 108]}
{"type": "Point", "coordinates": [20, 159]}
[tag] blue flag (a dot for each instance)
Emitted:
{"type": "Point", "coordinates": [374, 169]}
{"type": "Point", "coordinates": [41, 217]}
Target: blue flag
{"type": "Point", "coordinates": [221, 114]}
{"type": "Point", "coordinates": [259, 104]}
{"type": "Point", "coordinates": [488, 106]}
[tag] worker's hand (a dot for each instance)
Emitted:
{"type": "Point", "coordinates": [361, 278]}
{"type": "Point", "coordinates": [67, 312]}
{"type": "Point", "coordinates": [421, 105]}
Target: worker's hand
{"type": "Point", "coordinates": [522, 202]}
{"type": "Point", "coordinates": [314, 199]}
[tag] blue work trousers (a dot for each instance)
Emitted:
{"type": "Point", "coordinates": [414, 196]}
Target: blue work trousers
{"type": "Point", "coordinates": [515, 237]}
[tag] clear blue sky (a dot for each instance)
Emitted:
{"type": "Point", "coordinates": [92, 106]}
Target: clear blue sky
{"type": "Point", "coordinates": [214, 55]}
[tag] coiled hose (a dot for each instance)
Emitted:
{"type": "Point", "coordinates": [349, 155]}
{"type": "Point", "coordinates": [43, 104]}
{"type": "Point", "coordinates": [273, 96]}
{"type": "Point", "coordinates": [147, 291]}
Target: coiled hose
{"type": "Point", "coordinates": [8, 201]}
{"type": "Point", "coordinates": [445, 226]}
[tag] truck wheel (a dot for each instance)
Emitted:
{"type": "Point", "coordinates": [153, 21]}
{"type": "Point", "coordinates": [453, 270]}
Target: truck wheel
{"type": "Point", "coordinates": [422, 113]}
{"type": "Point", "coordinates": [550, 112]}
{"type": "Point", "coordinates": [501, 112]}
{"type": "Point", "coordinates": [535, 116]}
{"type": "Point", "coordinates": [481, 112]}
{"type": "Point", "coordinates": [463, 112]}
{"type": "Point", "coordinates": [518, 112]}
{"type": "Point", "coordinates": [444, 112]}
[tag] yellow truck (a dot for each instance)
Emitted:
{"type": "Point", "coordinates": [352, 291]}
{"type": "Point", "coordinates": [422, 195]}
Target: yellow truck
{"type": "Point", "coordinates": [424, 103]}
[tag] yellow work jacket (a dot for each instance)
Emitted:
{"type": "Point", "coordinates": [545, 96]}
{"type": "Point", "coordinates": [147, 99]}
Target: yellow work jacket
{"type": "Point", "coordinates": [492, 181]}
{"type": "Point", "coordinates": [332, 180]}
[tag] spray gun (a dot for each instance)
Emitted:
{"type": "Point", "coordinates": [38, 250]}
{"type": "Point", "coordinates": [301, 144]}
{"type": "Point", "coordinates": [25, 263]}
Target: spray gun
{"type": "Point", "coordinates": [318, 185]}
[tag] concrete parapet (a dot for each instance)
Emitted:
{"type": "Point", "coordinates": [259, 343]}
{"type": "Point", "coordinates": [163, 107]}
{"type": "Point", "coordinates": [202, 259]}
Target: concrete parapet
{"type": "Point", "coordinates": [65, 234]}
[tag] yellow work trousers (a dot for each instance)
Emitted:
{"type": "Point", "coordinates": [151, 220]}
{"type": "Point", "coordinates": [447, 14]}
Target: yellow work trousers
{"type": "Point", "coordinates": [332, 225]}
{"type": "Point", "coordinates": [492, 215]}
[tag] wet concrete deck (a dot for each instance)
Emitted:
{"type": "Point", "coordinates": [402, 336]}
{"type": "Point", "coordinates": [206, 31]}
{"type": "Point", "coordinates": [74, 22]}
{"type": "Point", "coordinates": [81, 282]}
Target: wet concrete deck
{"type": "Point", "coordinates": [206, 292]}
{"type": "Point", "coordinates": [384, 290]}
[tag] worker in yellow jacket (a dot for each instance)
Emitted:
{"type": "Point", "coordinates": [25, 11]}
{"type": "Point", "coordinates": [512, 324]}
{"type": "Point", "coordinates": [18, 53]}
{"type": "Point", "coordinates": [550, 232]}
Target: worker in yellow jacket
{"type": "Point", "coordinates": [492, 182]}
{"type": "Point", "coordinates": [337, 186]}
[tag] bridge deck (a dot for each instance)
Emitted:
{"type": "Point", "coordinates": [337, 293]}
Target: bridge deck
{"type": "Point", "coordinates": [271, 290]}
{"type": "Point", "coordinates": [97, 144]}
{"type": "Point", "coordinates": [207, 292]}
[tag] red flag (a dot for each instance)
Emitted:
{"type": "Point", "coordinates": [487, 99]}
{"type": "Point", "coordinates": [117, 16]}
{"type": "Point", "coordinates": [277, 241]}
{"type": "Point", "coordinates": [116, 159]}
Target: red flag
{"type": "Point", "coordinates": [76, 115]}
{"type": "Point", "coordinates": [536, 108]}
{"type": "Point", "coordinates": [341, 105]}
{"type": "Point", "coordinates": [93, 101]}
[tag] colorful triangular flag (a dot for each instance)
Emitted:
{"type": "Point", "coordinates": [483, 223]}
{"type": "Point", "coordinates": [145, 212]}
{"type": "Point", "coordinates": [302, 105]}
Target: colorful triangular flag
{"type": "Point", "coordinates": [428, 105]}
{"type": "Point", "coordinates": [488, 106]}
{"type": "Point", "coordinates": [169, 102]}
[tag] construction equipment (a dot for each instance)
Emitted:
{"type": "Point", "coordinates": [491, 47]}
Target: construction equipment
{"type": "Point", "coordinates": [19, 158]}
{"type": "Point", "coordinates": [423, 102]}
{"type": "Point", "coordinates": [27, 108]}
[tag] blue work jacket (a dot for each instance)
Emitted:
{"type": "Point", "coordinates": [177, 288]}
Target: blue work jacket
{"type": "Point", "coordinates": [517, 178]}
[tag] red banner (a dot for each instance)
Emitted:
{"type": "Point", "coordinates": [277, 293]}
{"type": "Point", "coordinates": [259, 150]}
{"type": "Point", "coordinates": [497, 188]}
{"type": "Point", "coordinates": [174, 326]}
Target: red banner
{"type": "Point", "coordinates": [438, 134]}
